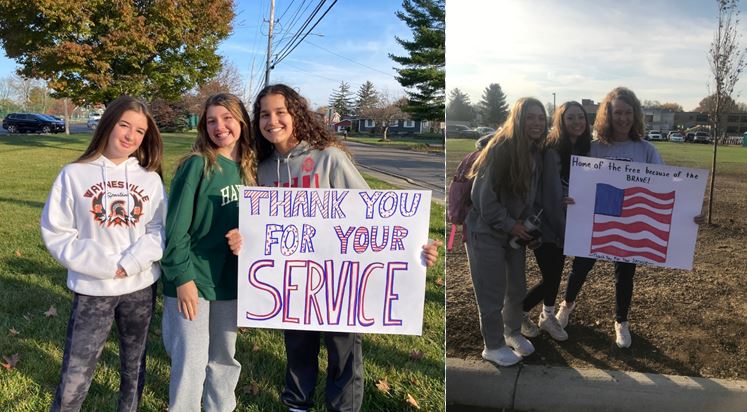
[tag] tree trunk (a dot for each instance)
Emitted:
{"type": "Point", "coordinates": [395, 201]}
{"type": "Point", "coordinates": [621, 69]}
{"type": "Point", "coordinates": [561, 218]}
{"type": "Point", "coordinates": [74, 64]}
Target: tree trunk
{"type": "Point", "coordinates": [67, 117]}
{"type": "Point", "coordinates": [386, 128]}
{"type": "Point", "coordinates": [713, 179]}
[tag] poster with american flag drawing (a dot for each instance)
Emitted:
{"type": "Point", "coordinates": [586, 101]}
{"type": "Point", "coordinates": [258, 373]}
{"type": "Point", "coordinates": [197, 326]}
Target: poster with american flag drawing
{"type": "Point", "coordinates": [633, 212]}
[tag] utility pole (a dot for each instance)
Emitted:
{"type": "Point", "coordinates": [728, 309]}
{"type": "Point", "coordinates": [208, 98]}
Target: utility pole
{"type": "Point", "coordinates": [553, 103]}
{"type": "Point", "coordinates": [269, 43]}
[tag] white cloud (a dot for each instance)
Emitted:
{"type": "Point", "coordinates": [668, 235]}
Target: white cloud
{"type": "Point", "coordinates": [579, 49]}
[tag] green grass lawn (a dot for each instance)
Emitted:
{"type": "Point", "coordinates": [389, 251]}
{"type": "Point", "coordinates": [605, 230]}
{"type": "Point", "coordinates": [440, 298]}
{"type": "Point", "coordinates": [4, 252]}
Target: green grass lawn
{"type": "Point", "coordinates": [419, 143]}
{"type": "Point", "coordinates": [32, 282]}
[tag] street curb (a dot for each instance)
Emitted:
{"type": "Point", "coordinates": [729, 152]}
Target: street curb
{"type": "Point", "coordinates": [549, 388]}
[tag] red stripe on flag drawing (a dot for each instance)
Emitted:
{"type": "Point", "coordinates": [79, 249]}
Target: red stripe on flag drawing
{"type": "Point", "coordinates": [633, 223]}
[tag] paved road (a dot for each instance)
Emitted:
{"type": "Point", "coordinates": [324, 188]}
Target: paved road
{"type": "Point", "coordinates": [74, 128]}
{"type": "Point", "coordinates": [404, 168]}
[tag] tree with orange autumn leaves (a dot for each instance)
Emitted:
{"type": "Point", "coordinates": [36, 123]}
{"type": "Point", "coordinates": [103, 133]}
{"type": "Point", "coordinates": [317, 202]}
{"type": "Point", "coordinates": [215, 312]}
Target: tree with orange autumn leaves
{"type": "Point", "coordinates": [94, 51]}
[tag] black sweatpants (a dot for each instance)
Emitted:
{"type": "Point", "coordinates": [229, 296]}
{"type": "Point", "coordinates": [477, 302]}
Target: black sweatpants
{"type": "Point", "coordinates": [550, 260]}
{"type": "Point", "coordinates": [624, 273]}
{"type": "Point", "coordinates": [344, 387]}
{"type": "Point", "coordinates": [90, 321]}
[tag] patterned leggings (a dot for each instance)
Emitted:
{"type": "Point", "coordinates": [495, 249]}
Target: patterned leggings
{"type": "Point", "coordinates": [89, 325]}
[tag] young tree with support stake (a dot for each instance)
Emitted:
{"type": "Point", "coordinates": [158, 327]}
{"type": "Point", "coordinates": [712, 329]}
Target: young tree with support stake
{"type": "Point", "coordinates": [726, 59]}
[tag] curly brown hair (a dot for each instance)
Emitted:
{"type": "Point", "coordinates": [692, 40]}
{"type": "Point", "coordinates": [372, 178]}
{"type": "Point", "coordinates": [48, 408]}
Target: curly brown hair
{"type": "Point", "coordinates": [307, 125]}
{"type": "Point", "coordinates": [205, 147]}
{"type": "Point", "coordinates": [150, 152]}
{"type": "Point", "coordinates": [603, 122]}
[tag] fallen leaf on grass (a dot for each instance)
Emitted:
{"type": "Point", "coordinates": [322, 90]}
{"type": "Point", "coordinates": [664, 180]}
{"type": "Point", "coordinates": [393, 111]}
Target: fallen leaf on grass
{"type": "Point", "coordinates": [11, 361]}
{"type": "Point", "coordinates": [27, 316]}
{"type": "Point", "coordinates": [255, 348]}
{"type": "Point", "coordinates": [52, 311]}
{"type": "Point", "coordinates": [383, 385]}
{"type": "Point", "coordinates": [18, 253]}
{"type": "Point", "coordinates": [251, 389]}
{"type": "Point", "coordinates": [416, 355]}
{"type": "Point", "coordinates": [13, 332]}
{"type": "Point", "coordinates": [412, 402]}
{"type": "Point", "coordinates": [439, 281]}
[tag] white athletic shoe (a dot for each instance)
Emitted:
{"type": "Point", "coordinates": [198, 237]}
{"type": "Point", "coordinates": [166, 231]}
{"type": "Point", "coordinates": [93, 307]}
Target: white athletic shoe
{"type": "Point", "coordinates": [502, 356]}
{"type": "Point", "coordinates": [528, 328]}
{"type": "Point", "coordinates": [564, 313]}
{"type": "Point", "coordinates": [622, 335]}
{"type": "Point", "coordinates": [520, 344]}
{"type": "Point", "coordinates": [550, 324]}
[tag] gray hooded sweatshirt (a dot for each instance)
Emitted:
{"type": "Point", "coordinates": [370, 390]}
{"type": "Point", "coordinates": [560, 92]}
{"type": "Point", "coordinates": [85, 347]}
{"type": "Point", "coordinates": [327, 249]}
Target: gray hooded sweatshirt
{"type": "Point", "coordinates": [495, 209]}
{"type": "Point", "coordinates": [307, 167]}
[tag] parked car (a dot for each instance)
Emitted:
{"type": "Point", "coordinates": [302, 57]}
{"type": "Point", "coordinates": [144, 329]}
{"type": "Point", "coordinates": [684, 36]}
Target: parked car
{"type": "Point", "coordinates": [93, 120]}
{"type": "Point", "coordinates": [485, 130]}
{"type": "Point", "coordinates": [689, 137]}
{"type": "Point", "coordinates": [654, 135]}
{"type": "Point", "coordinates": [460, 130]}
{"type": "Point", "coordinates": [702, 137]}
{"type": "Point", "coordinates": [32, 122]}
{"type": "Point", "coordinates": [676, 137]}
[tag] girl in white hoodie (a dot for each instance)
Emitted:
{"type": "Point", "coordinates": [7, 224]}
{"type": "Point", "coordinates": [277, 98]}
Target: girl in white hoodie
{"type": "Point", "coordinates": [103, 221]}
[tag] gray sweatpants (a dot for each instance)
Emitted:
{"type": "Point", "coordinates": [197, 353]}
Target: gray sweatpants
{"type": "Point", "coordinates": [203, 368]}
{"type": "Point", "coordinates": [500, 285]}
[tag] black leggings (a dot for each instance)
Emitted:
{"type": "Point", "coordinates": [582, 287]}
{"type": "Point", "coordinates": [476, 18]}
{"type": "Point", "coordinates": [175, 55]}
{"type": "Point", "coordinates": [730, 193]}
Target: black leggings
{"type": "Point", "coordinates": [623, 284]}
{"type": "Point", "coordinates": [550, 260]}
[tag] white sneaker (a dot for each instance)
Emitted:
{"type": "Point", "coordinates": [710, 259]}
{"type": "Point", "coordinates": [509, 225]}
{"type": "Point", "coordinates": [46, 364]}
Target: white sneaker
{"type": "Point", "coordinates": [520, 344]}
{"type": "Point", "coordinates": [622, 335]}
{"type": "Point", "coordinates": [502, 356]}
{"type": "Point", "coordinates": [529, 328]}
{"type": "Point", "coordinates": [564, 313]}
{"type": "Point", "coordinates": [550, 324]}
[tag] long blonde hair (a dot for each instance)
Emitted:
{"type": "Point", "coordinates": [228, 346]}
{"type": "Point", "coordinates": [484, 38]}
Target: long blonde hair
{"type": "Point", "coordinates": [205, 147]}
{"type": "Point", "coordinates": [516, 173]}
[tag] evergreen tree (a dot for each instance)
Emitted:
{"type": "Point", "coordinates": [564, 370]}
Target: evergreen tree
{"type": "Point", "coordinates": [366, 98]}
{"type": "Point", "coordinates": [422, 72]}
{"type": "Point", "coordinates": [341, 101]}
{"type": "Point", "coordinates": [459, 107]}
{"type": "Point", "coordinates": [493, 106]}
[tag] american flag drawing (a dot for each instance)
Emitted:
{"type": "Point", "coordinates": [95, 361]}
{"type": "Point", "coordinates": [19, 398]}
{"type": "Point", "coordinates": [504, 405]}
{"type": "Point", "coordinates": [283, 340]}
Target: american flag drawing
{"type": "Point", "coordinates": [632, 222]}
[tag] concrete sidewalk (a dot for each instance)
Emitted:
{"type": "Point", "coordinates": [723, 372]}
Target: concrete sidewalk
{"type": "Point", "coordinates": [545, 388]}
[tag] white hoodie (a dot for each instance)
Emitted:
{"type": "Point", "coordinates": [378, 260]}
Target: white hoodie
{"type": "Point", "coordinates": [100, 216]}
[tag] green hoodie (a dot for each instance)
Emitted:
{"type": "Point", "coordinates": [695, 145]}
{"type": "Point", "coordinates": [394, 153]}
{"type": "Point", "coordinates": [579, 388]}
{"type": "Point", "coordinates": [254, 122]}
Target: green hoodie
{"type": "Point", "coordinates": [202, 209]}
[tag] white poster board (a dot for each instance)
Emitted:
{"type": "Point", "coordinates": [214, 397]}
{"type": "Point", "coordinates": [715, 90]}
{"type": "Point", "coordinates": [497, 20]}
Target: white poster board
{"type": "Point", "coordinates": [633, 212]}
{"type": "Point", "coordinates": [333, 259]}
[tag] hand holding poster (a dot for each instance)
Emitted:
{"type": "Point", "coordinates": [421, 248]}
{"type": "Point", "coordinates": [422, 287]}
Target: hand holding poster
{"type": "Point", "coordinates": [633, 212]}
{"type": "Point", "coordinates": [333, 259]}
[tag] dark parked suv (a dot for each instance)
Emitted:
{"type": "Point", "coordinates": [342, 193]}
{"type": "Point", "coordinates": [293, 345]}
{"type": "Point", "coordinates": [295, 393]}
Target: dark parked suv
{"type": "Point", "coordinates": [458, 130]}
{"type": "Point", "coordinates": [32, 122]}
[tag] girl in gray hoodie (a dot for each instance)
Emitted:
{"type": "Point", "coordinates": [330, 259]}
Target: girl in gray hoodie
{"type": "Point", "coordinates": [295, 149]}
{"type": "Point", "coordinates": [506, 179]}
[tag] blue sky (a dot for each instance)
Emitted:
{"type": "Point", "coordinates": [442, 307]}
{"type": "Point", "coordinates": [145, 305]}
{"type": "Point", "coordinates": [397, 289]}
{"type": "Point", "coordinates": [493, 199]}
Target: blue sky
{"type": "Point", "coordinates": [361, 31]}
{"type": "Point", "coordinates": [583, 48]}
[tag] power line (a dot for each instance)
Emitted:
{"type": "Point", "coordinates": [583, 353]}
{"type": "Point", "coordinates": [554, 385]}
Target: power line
{"type": "Point", "coordinates": [280, 58]}
{"type": "Point", "coordinates": [348, 59]}
{"type": "Point", "coordinates": [287, 29]}
{"type": "Point", "coordinates": [297, 34]}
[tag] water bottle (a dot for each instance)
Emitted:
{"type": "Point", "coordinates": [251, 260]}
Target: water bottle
{"type": "Point", "coordinates": [532, 226]}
